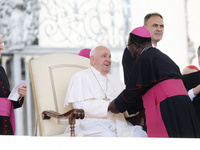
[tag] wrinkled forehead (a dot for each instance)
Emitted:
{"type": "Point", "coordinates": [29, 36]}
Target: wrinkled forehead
{"type": "Point", "coordinates": [102, 51]}
{"type": "Point", "coordinates": [155, 20]}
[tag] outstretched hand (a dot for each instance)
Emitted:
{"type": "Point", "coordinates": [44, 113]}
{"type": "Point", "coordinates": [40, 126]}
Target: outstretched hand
{"type": "Point", "coordinates": [196, 90]}
{"type": "Point", "coordinates": [112, 107]}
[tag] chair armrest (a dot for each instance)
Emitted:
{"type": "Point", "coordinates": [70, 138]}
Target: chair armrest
{"type": "Point", "coordinates": [72, 115]}
{"type": "Point", "coordinates": [75, 113]}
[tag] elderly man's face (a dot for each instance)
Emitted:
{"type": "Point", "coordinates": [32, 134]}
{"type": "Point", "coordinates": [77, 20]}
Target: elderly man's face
{"type": "Point", "coordinates": [102, 60]}
{"type": "Point", "coordinates": [155, 26]}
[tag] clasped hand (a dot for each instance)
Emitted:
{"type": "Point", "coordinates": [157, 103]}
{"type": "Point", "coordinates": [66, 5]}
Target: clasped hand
{"type": "Point", "coordinates": [112, 107]}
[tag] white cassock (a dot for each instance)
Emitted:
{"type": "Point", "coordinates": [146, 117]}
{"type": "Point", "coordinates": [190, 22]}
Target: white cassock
{"type": "Point", "coordinates": [86, 91]}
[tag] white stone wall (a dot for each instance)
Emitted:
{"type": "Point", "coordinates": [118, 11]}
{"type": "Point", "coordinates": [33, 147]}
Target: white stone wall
{"type": "Point", "coordinates": [175, 13]}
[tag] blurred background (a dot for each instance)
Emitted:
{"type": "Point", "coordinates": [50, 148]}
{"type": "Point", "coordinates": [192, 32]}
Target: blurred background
{"type": "Point", "coordinates": [31, 28]}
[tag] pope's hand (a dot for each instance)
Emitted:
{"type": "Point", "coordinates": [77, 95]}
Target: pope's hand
{"type": "Point", "coordinates": [112, 107]}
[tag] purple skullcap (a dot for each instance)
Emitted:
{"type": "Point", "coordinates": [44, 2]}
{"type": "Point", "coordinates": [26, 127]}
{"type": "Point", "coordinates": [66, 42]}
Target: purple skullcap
{"type": "Point", "coordinates": [141, 32]}
{"type": "Point", "coordinates": [85, 53]}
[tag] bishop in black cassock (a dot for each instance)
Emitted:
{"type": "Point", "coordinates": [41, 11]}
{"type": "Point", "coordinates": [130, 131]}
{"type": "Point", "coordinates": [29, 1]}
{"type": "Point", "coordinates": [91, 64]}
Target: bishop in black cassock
{"type": "Point", "coordinates": [168, 108]}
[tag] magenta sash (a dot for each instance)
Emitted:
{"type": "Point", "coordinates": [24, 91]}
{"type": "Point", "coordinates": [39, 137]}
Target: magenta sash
{"type": "Point", "coordinates": [151, 102]}
{"type": "Point", "coordinates": [7, 109]}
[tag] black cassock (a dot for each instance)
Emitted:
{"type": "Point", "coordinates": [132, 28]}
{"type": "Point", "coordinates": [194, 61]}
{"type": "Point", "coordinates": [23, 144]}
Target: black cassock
{"type": "Point", "coordinates": [150, 69]}
{"type": "Point", "coordinates": [127, 63]}
{"type": "Point", "coordinates": [5, 124]}
{"type": "Point", "coordinates": [191, 81]}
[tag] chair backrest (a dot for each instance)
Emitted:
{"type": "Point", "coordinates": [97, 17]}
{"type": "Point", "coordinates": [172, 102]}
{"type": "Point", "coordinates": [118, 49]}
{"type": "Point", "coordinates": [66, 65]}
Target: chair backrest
{"type": "Point", "coordinates": [50, 75]}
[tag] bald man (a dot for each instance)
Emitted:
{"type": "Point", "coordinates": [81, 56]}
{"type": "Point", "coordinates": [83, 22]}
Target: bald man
{"type": "Point", "coordinates": [92, 90]}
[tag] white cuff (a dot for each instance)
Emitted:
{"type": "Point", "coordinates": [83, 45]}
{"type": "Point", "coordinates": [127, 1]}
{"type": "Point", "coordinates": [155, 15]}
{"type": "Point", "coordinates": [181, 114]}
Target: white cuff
{"type": "Point", "coordinates": [191, 94]}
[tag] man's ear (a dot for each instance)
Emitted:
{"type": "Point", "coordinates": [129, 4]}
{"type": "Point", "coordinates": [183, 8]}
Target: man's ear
{"type": "Point", "coordinates": [92, 60]}
{"type": "Point", "coordinates": [135, 45]}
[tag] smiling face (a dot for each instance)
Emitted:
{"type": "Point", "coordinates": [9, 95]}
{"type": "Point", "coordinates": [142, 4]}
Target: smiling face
{"type": "Point", "coordinates": [101, 59]}
{"type": "Point", "coordinates": [155, 26]}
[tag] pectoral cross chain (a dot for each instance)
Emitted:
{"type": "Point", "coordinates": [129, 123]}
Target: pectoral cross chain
{"type": "Point", "coordinates": [106, 98]}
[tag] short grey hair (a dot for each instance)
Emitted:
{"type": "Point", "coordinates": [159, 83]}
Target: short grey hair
{"type": "Point", "coordinates": [149, 15]}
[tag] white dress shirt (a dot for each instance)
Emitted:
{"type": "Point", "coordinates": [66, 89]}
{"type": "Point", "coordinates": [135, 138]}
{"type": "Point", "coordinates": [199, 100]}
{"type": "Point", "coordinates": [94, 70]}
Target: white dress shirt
{"type": "Point", "coordinates": [191, 94]}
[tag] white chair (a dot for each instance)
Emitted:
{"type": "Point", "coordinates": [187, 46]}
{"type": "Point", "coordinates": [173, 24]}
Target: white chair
{"type": "Point", "coordinates": [50, 75]}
